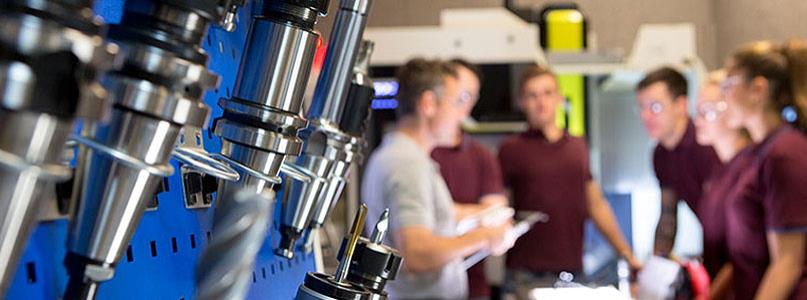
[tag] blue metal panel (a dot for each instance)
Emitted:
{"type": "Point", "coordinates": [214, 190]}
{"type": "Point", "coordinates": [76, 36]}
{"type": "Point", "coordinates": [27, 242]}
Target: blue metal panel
{"type": "Point", "coordinates": [40, 275]}
{"type": "Point", "coordinates": [599, 258]}
{"type": "Point", "coordinates": [163, 252]}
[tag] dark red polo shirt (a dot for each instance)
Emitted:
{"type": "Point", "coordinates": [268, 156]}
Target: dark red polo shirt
{"type": "Point", "coordinates": [685, 168]}
{"type": "Point", "coordinates": [712, 209]}
{"type": "Point", "coordinates": [771, 196]}
{"type": "Point", "coordinates": [471, 172]}
{"type": "Point", "coordinates": [552, 178]}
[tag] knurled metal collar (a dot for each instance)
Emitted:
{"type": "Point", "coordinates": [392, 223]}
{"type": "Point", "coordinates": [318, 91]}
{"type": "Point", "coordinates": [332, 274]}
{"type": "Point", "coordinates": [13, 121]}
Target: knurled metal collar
{"type": "Point", "coordinates": [306, 10]}
{"type": "Point", "coordinates": [258, 137]}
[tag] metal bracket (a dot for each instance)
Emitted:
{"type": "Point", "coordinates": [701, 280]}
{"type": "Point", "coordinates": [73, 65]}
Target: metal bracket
{"type": "Point", "coordinates": [194, 155]}
{"type": "Point", "coordinates": [269, 178]}
{"type": "Point", "coordinates": [299, 173]}
{"type": "Point", "coordinates": [193, 188]}
{"type": "Point", "coordinates": [51, 172]}
{"type": "Point", "coordinates": [158, 170]}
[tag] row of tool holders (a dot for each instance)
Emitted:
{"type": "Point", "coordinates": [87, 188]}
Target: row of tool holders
{"type": "Point", "coordinates": [163, 149]}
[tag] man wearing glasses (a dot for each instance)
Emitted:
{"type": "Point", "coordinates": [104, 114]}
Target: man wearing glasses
{"type": "Point", "coordinates": [680, 163]}
{"type": "Point", "coordinates": [470, 170]}
{"type": "Point", "coordinates": [401, 176]}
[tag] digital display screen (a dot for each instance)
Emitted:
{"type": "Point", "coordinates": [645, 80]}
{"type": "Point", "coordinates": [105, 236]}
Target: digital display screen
{"type": "Point", "coordinates": [386, 89]}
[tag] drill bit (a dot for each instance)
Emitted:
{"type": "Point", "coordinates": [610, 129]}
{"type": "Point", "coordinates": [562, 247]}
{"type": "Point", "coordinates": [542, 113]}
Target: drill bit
{"type": "Point", "coordinates": [239, 229]}
{"type": "Point", "coordinates": [355, 232]}
{"type": "Point", "coordinates": [380, 228]}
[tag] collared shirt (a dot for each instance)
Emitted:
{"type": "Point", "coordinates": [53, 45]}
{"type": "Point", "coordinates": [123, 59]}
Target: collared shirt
{"type": "Point", "coordinates": [551, 178]}
{"type": "Point", "coordinates": [712, 208]}
{"type": "Point", "coordinates": [471, 172]}
{"type": "Point", "coordinates": [685, 168]}
{"type": "Point", "coordinates": [771, 197]}
{"type": "Point", "coordinates": [401, 176]}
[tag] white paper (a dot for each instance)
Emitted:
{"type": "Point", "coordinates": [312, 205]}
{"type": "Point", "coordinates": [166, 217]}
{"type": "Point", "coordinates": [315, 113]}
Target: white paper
{"type": "Point", "coordinates": [492, 216]}
{"type": "Point", "coordinates": [582, 293]}
{"type": "Point", "coordinates": [656, 279]}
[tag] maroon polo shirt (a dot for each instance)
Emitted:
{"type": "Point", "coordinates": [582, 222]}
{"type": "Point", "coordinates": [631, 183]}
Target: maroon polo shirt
{"type": "Point", "coordinates": [471, 172]}
{"type": "Point", "coordinates": [712, 209]}
{"type": "Point", "coordinates": [771, 196]}
{"type": "Point", "coordinates": [552, 178]}
{"type": "Point", "coordinates": [685, 168]}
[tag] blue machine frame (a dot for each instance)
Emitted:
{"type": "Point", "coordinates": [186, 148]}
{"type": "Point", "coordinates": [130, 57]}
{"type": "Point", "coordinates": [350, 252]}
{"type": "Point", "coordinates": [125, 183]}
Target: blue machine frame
{"type": "Point", "coordinates": [162, 255]}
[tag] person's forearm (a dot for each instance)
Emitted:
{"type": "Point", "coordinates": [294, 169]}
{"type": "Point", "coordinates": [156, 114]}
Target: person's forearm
{"type": "Point", "coordinates": [465, 210]}
{"type": "Point", "coordinates": [787, 259]}
{"type": "Point", "coordinates": [462, 210]}
{"type": "Point", "coordinates": [667, 225]}
{"type": "Point", "coordinates": [493, 200]}
{"type": "Point", "coordinates": [425, 254]}
{"type": "Point", "coordinates": [779, 280]}
{"type": "Point", "coordinates": [721, 284]}
{"type": "Point", "coordinates": [464, 245]}
{"type": "Point", "coordinates": [664, 238]}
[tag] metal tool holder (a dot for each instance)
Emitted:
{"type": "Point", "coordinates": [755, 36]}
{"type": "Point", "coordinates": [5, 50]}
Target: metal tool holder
{"type": "Point", "coordinates": [320, 286]}
{"type": "Point", "coordinates": [51, 57]}
{"type": "Point", "coordinates": [329, 149]}
{"type": "Point", "coordinates": [373, 263]}
{"type": "Point", "coordinates": [365, 266]}
{"type": "Point", "coordinates": [159, 260]}
{"type": "Point", "coordinates": [359, 97]}
{"type": "Point", "coordinates": [155, 94]}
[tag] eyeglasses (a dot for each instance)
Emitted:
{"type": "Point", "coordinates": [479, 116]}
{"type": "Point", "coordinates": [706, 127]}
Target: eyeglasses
{"type": "Point", "coordinates": [730, 82]}
{"type": "Point", "coordinates": [709, 111]}
{"type": "Point", "coordinates": [655, 107]}
{"type": "Point", "coordinates": [466, 97]}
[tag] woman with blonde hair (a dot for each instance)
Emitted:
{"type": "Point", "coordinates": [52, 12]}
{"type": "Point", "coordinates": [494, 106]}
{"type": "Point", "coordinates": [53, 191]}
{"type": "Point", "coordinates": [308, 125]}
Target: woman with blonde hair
{"type": "Point", "coordinates": [732, 148]}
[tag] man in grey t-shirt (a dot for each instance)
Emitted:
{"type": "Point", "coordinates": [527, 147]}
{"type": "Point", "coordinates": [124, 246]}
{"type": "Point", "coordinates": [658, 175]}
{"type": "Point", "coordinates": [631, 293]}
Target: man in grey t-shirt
{"type": "Point", "coordinates": [401, 176]}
